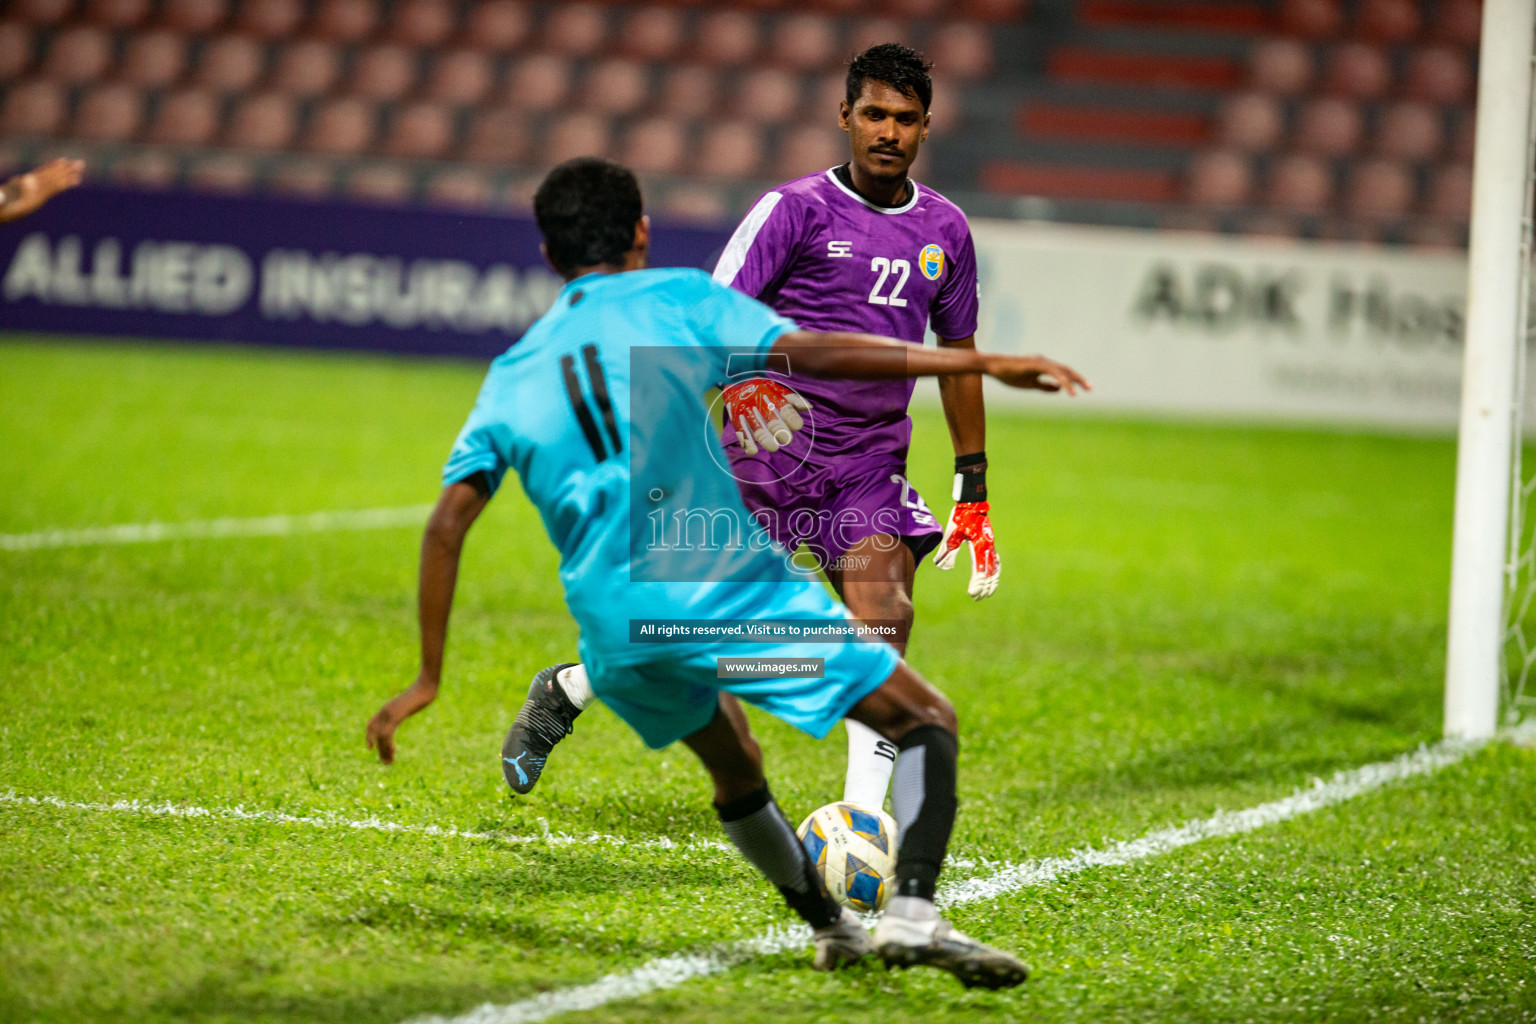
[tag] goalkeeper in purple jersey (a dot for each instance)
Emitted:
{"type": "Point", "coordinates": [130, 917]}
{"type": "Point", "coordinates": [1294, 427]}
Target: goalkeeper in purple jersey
{"type": "Point", "coordinates": [862, 248]}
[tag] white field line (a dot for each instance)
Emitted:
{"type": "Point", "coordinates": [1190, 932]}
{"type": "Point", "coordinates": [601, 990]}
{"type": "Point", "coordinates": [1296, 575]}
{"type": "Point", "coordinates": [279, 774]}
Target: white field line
{"type": "Point", "coordinates": [546, 836]}
{"type": "Point", "coordinates": [260, 526]}
{"type": "Point", "coordinates": [672, 971]}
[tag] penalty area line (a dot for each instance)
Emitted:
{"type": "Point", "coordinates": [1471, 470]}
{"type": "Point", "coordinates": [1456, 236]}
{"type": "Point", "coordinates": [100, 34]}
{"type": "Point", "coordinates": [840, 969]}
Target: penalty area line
{"type": "Point", "coordinates": [259, 526]}
{"type": "Point", "coordinates": [672, 971]}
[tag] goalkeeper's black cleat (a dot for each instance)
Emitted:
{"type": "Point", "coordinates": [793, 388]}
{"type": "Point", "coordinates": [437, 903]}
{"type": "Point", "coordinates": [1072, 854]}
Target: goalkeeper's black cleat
{"type": "Point", "coordinates": [546, 718]}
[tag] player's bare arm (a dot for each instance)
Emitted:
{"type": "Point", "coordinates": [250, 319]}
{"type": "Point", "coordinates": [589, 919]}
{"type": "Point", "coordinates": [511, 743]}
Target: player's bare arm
{"type": "Point", "coordinates": [870, 357]}
{"type": "Point", "coordinates": [457, 508]}
{"type": "Point", "coordinates": [24, 193]}
{"type": "Point", "coordinates": [965, 409]}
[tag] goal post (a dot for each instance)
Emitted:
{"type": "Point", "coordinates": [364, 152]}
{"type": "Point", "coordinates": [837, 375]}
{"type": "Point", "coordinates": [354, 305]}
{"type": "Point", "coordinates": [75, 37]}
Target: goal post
{"type": "Point", "coordinates": [1487, 523]}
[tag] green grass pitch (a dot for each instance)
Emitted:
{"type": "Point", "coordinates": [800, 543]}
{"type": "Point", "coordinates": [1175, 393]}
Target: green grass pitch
{"type": "Point", "coordinates": [1192, 617]}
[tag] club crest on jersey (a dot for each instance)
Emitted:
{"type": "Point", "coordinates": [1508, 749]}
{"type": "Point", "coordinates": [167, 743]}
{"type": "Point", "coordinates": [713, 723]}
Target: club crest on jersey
{"type": "Point", "coordinates": [932, 262]}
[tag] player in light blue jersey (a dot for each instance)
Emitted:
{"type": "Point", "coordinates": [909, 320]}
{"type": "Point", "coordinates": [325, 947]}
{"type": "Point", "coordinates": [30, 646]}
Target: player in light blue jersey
{"type": "Point", "coordinates": [599, 409]}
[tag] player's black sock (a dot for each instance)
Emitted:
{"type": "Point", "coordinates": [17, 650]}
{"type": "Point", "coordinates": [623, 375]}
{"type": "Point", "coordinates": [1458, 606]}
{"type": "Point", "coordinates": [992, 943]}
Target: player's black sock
{"type": "Point", "coordinates": [923, 797]}
{"type": "Point", "coordinates": [760, 831]}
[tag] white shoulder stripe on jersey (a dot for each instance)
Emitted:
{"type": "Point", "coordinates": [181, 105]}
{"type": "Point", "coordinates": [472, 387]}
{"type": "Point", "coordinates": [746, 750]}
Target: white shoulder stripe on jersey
{"type": "Point", "coordinates": [735, 255]}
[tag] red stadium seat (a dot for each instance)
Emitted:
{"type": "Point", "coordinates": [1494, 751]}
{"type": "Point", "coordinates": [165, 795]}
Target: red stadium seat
{"type": "Point", "coordinates": [116, 13]}
{"type": "Point", "coordinates": [915, 8]}
{"type": "Point", "coordinates": [346, 21]}
{"type": "Point", "coordinates": [1464, 136]}
{"type": "Point", "coordinates": [147, 169]}
{"type": "Point", "coordinates": [195, 17]}
{"type": "Point", "coordinates": [223, 173]}
{"type": "Point", "coordinates": [1359, 70]}
{"type": "Point", "coordinates": [269, 19]}
{"type": "Point", "coordinates": [695, 203]}
{"type": "Point", "coordinates": [1459, 22]}
{"type": "Point", "coordinates": [187, 117]}
{"type": "Point", "coordinates": [1379, 189]}
{"type": "Point", "coordinates": [806, 42]}
{"type": "Point", "coordinates": [109, 113]}
{"type": "Point", "coordinates": [383, 72]}
{"type": "Point", "coordinates": [1219, 178]}
{"type": "Point", "coordinates": [1388, 21]}
{"type": "Point", "coordinates": [41, 12]}
{"type": "Point", "coordinates": [308, 178]}
{"type": "Point", "coordinates": [1300, 183]}
{"type": "Point", "coordinates": [1439, 74]}
{"type": "Point", "coordinates": [1410, 131]}
{"type": "Point", "coordinates": [342, 126]}
{"type": "Point", "coordinates": [154, 59]}
{"type": "Point", "coordinates": [461, 77]}
{"type": "Point", "coordinates": [840, 6]}
{"type": "Point", "coordinates": [767, 96]}
{"type": "Point", "coordinates": [727, 38]}
{"type": "Point", "coordinates": [380, 183]}
{"type": "Point", "coordinates": [498, 135]}
{"type": "Point", "coordinates": [1252, 122]}
{"type": "Point", "coordinates": [823, 97]}
{"type": "Point", "coordinates": [869, 32]}
{"type": "Point", "coordinates": [575, 29]}
{"type": "Point", "coordinates": [1312, 19]}
{"type": "Point", "coordinates": [33, 108]}
{"type": "Point", "coordinates": [657, 145]}
{"type": "Point", "coordinates": [963, 51]}
{"type": "Point", "coordinates": [580, 134]}
{"type": "Point", "coordinates": [230, 64]}
{"type": "Point", "coordinates": [77, 55]}
{"type": "Point", "coordinates": [730, 151]}
{"type": "Point", "coordinates": [1436, 236]}
{"type": "Point", "coordinates": [263, 121]}
{"type": "Point", "coordinates": [498, 26]}
{"type": "Point", "coordinates": [15, 49]}
{"type": "Point", "coordinates": [995, 10]}
{"type": "Point", "coordinates": [539, 82]}
{"type": "Point", "coordinates": [1329, 126]}
{"type": "Point", "coordinates": [688, 91]}
{"type": "Point", "coordinates": [1450, 193]}
{"type": "Point", "coordinates": [307, 67]}
{"type": "Point", "coordinates": [422, 24]}
{"type": "Point", "coordinates": [1282, 66]}
{"type": "Point", "coordinates": [421, 131]}
{"type": "Point", "coordinates": [460, 188]}
{"type": "Point", "coordinates": [808, 149]}
{"type": "Point", "coordinates": [616, 86]}
{"type": "Point", "coordinates": [652, 33]}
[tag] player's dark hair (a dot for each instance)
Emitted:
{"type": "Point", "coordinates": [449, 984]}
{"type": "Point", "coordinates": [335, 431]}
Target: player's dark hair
{"type": "Point", "coordinates": [900, 67]}
{"type": "Point", "coordinates": [587, 209]}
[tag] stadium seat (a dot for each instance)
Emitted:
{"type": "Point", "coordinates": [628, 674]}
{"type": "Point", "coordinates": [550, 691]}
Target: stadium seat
{"type": "Point", "coordinates": [116, 14]}
{"type": "Point", "coordinates": [112, 112]}
{"type": "Point", "coordinates": [420, 131]}
{"type": "Point", "coordinates": [1300, 183]}
{"type": "Point", "coordinates": [264, 121]}
{"type": "Point", "coordinates": [697, 203]}
{"type": "Point", "coordinates": [306, 67]}
{"type": "Point", "coordinates": [963, 51]}
{"type": "Point", "coordinates": [380, 183]}
{"type": "Point", "coordinates": [386, 71]}
{"type": "Point", "coordinates": [230, 64]}
{"type": "Point", "coordinates": [652, 33]}
{"type": "Point", "coordinates": [656, 145]}
{"type": "Point", "coordinates": [1329, 126]}
{"type": "Point", "coordinates": [573, 135]}
{"type": "Point", "coordinates": [78, 55]}
{"type": "Point", "coordinates": [1379, 189]}
{"type": "Point", "coordinates": [995, 10]}
{"type": "Point", "coordinates": [539, 82]}
{"type": "Point", "coordinates": [195, 17]}
{"type": "Point", "coordinates": [1358, 70]}
{"type": "Point", "coordinates": [269, 19]}
{"type": "Point", "coordinates": [41, 12]}
{"type": "Point", "coordinates": [308, 178]}
{"type": "Point", "coordinates": [688, 91]}
{"type": "Point", "coordinates": [1251, 122]}
{"type": "Point", "coordinates": [1269, 226]}
{"type": "Point", "coordinates": [822, 98]}
{"type": "Point", "coordinates": [422, 24]}
{"type": "Point", "coordinates": [225, 172]}
{"type": "Point", "coordinates": [497, 135]}
{"type": "Point", "coordinates": [461, 77]}
{"type": "Point", "coordinates": [153, 59]}
{"type": "Point", "coordinates": [1435, 235]}
{"type": "Point", "coordinates": [1439, 74]}
{"type": "Point", "coordinates": [915, 8]}
{"type": "Point", "coordinates": [1464, 136]}
{"type": "Point", "coordinates": [1281, 66]}
{"type": "Point", "coordinates": [498, 26]}
{"type": "Point", "coordinates": [807, 149]}
{"type": "Point", "coordinates": [33, 108]}
{"type": "Point", "coordinates": [575, 29]}
{"type": "Point", "coordinates": [616, 86]}
{"type": "Point", "coordinates": [1312, 19]}
{"type": "Point", "coordinates": [1459, 22]}
{"type": "Point", "coordinates": [726, 38]}
{"type": "Point", "coordinates": [1409, 131]}
{"type": "Point", "coordinates": [346, 21]}
{"type": "Point", "coordinates": [1388, 21]}
{"type": "Point", "coordinates": [15, 49]}
{"type": "Point", "coordinates": [868, 32]}
{"type": "Point", "coordinates": [186, 117]}
{"type": "Point", "coordinates": [149, 168]}
{"type": "Point", "coordinates": [342, 126]}
{"type": "Point", "coordinates": [1219, 178]}
{"type": "Point", "coordinates": [730, 151]}
{"type": "Point", "coordinates": [806, 42]}
{"type": "Point", "coordinates": [1450, 193]}
{"type": "Point", "coordinates": [460, 188]}
{"type": "Point", "coordinates": [767, 96]}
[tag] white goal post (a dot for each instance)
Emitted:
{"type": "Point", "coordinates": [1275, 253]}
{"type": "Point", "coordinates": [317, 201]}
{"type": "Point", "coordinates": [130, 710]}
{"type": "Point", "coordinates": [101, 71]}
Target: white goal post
{"type": "Point", "coordinates": [1490, 496]}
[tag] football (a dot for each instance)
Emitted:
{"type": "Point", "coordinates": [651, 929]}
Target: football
{"type": "Point", "coordinates": [854, 850]}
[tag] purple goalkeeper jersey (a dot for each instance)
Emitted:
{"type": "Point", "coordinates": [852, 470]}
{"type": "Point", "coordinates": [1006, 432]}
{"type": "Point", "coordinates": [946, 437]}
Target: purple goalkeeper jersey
{"type": "Point", "coordinates": [830, 260]}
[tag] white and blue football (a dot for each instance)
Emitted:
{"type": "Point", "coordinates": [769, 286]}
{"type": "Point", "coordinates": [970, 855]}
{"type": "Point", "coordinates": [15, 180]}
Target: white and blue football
{"type": "Point", "coordinates": [854, 850]}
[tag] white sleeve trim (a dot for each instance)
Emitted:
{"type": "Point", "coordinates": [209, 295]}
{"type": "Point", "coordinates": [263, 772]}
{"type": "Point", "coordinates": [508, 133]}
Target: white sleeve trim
{"type": "Point", "coordinates": [735, 255]}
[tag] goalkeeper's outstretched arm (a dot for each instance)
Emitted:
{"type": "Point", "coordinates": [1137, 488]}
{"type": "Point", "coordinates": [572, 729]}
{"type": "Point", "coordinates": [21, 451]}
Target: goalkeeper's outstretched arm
{"type": "Point", "coordinates": [836, 354]}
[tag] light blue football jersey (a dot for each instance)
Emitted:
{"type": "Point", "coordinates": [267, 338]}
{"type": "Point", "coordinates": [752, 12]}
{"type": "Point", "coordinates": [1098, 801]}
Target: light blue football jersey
{"type": "Point", "coordinates": [600, 410]}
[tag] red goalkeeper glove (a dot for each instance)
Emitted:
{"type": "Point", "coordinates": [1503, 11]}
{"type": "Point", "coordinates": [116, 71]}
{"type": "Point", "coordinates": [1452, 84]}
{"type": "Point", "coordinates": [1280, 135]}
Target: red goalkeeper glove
{"type": "Point", "coordinates": [764, 412]}
{"type": "Point", "coordinates": [968, 521]}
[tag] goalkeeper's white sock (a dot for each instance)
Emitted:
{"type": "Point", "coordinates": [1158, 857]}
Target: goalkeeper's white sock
{"type": "Point", "coordinates": [573, 681]}
{"type": "Point", "coordinates": [871, 759]}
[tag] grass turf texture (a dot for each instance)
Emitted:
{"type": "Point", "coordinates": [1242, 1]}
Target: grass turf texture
{"type": "Point", "coordinates": [1191, 618]}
